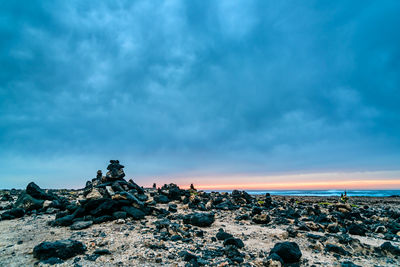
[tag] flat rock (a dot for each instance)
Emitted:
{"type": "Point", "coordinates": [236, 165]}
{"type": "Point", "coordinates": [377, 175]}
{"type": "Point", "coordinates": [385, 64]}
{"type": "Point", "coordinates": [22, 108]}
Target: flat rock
{"type": "Point", "coordinates": [62, 249]}
{"type": "Point", "coordinates": [79, 225]}
{"type": "Point", "coordinates": [199, 219]}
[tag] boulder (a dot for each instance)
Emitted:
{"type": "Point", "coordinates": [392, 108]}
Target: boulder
{"type": "Point", "coordinates": [6, 197]}
{"type": "Point", "coordinates": [234, 242]}
{"type": "Point", "coordinates": [135, 213]}
{"type": "Point", "coordinates": [199, 219]}
{"type": "Point", "coordinates": [13, 213]}
{"type": "Point", "coordinates": [261, 219]}
{"type": "Point", "coordinates": [105, 208]}
{"type": "Point", "coordinates": [161, 199]}
{"type": "Point", "coordinates": [102, 219]}
{"type": "Point", "coordinates": [357, 229]}
{"type": "Point", "coordinates": [388, 247]}
{"type": "Point", "coordinates": [222, 235]}
{"type": "Point", "coordinates": [28, 203]}
{"type": "Point", "coordinates": [36, 192]}
{"type": "Point", "coordinates": [289, 252]}
{"type": "Point", "coordinates": [62, 249]}
{"type": "Point", "coordinates": [63, 221]}
{"type": "Point", "coordinates": [119, 215]}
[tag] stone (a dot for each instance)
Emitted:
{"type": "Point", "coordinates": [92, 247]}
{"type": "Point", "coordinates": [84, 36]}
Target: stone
{"type": "Point", "coordinates": [234, 242]}
{"type": "Point", "coordinates": [172, 208]}
{"type": "Point", "coordinates": [115, 171]}
{"type": "Point", "coordinates": [174, 193]}
{"type": "Point", "coordinates": [110, 191]}
{"type": "Point", "coordinates": [161, 199]}
{"type": "Point", "coordinates": [267, 200]}
{"type": "Point", "coordinates": [28, 203]}
{"type": "Point", "coordinates": [6, 197]}
{"type": "Point", "coordinates": [105, 208]}
{"type": "Point", "coordinates": [120, 215]}
{"type": "Point", "coordinates": [79, 225]}
{"type": "Point", "coordinates": [336, 249]}
{"type": "Point", "coordinates": [36, 192]}
{"type": "Point", "coordinates": [102, 252]}
{"type": "Point", "coordinates": [356, 229]}
{"type": "Point", "coordinates": [187, 256]}
{"type": "Point", "coordinates": [289, 252]}
{"type": "Point", "coordinates": [102, 219]}
{"type": "Point", "coordinates": [62, 249]}
{"type": "Point", "coordinates": [388, 247]}
{"type": "Point", "coordinates": [199, 219]}
{"type": "Point", "coordinates": [63, 221]}
{"type": "Point", "coordinates": [47, 203]}
{"type": "Point", "coordinates": [94, 194]}
{"type": "Point", "coordinates": [13, 214]}
{"type": "Point", "coordinates": [135, 213]}
{"type": "Point", "coordinates": [261, 219]}
{"type": "Point", "coordinates": [222, 235]}
{"type": "Point", "coordinates": [348, 264]}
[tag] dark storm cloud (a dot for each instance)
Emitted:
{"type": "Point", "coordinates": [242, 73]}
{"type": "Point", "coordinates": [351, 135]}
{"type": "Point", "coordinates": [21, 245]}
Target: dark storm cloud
{"type": "Point", "coordinates": [220, 86]}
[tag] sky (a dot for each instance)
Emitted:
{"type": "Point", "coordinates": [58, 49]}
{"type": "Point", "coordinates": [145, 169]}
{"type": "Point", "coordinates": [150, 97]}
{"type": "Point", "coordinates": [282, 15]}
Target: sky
{"type": "Point", "coordinates": [222, 94]}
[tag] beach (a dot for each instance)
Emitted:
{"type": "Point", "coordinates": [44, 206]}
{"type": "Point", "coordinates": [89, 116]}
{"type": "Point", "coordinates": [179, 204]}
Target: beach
{"type": "Point", "coordinates": [240, 229]}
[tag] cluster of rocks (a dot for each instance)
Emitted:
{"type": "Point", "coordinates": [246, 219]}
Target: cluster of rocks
{"type": "Point", "coordinates": [184, 216]}
{"type": "Point", "coordinates": [33, 200]}
{"type": "Point", "coordinates": [106, 198]}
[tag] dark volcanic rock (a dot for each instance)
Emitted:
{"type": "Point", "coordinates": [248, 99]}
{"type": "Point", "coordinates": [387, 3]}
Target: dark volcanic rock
{"type": "Point", "coordinates": [79, 225]}
{"type": "Point", "coordinates": [388, 247]}
{"type": "Point", "coordinates": [234, 242]}
{"type": "Point", "coordinates": [105, 218]}
{"type": "Point", "coordinates": [102, 252]}
{"type": "Point", "coordinates": [199, 219]}
{"type": "Point", "coordinates": [6, 197]}
{"type": "Point", "coordinates": [233, 253]}
{"type": "Point", "coordinates": [267, 200]}
{"type": "Point", "coordinates": [63, 221]}
{"type": "Point", "coordinates": [261, 219]}
{"type": "Point", "coordinates": [288, 251]}
{"type": "Point", "coordinates": [119, 215]}
{"type": "Point", "coordinates": [53, 261]}
{"type": "Point", "coordinates": [105, 208]}
{"type": "Point", "coordinates": [115, 171]}
{"type": "Point", "coordinates": [28, 203]}
{"type": "Point", "coordinates": [336, 249]}
{"type": "Point", "coordinates": [356, 229]}
{"type": "Point", "coordinates": [35, 191]}
{"type": "Point", "coordinates": [135, 213]}
{"type": "Point", "coordinates": [222, 235]}
{"type": "Point", "coordinates": [62, 249]}
{"type": "Point", "coordinates": [172, 208]}
{"type": "Point", "coordinates": [187, 256]}
{"type": "Point", "coordinates": [161, 199]}
{"type": "Point", "coordinates": [348, 264]}
{"type": "Point", "coordinates": [12, 214]}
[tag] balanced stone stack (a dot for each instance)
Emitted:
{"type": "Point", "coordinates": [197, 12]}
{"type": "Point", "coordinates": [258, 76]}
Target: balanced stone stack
{"type": "Point", "coordinates": [107, 198]}
{"type": "Point", "coordinates": [115, 171]}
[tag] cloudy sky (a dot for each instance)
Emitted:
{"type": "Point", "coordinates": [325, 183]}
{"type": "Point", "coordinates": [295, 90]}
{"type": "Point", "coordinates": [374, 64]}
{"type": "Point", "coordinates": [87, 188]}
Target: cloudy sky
{"type": "Point", "coordinates": [220, 93]}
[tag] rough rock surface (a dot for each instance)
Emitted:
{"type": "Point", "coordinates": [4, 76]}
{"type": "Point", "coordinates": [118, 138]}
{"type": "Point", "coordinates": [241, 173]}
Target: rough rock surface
{"type": "Point", "coordinates": [63, 249]}
{"type": "Point", "coordinates": [127, 225]}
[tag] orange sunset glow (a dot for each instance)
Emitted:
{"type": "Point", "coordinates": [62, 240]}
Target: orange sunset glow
{"type": "Point", "coordinates": [313, 181]}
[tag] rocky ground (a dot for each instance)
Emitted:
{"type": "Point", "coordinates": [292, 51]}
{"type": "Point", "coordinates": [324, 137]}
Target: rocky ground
{"type": "Point", "coordinates": [108, 224]}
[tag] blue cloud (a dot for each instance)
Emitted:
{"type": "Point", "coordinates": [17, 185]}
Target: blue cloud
{"type": "Point", "coordinates": [225, 86]}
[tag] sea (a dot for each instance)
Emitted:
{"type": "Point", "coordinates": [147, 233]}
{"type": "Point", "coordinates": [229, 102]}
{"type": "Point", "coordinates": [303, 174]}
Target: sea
{"type": "Point", "coordinates": [326, 193]}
